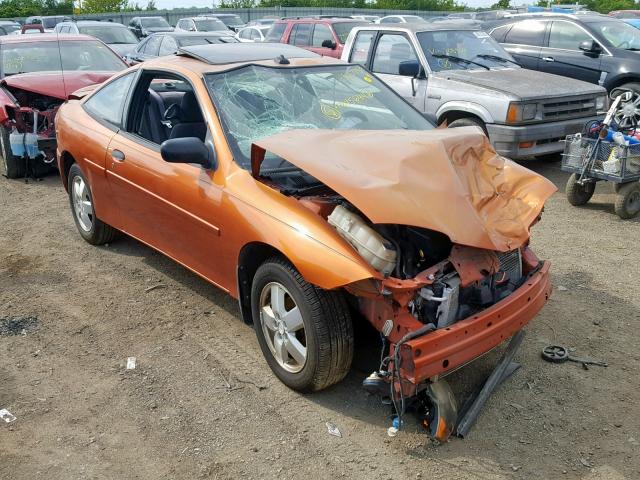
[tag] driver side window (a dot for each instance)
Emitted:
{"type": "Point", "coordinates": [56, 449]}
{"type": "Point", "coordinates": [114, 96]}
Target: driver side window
{"type": "Point", "coordinates": [108, 102]}
{"type": "Point", "coordinates": [391, 51]}
{"type": "Point", "coordinates": [164, 107]}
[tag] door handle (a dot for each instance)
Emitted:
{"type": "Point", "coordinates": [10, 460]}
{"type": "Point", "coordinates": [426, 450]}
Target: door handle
{"type": "Point", "coordinates": [117, 155]}
{"type": "Point", "coordinates": [548, 59]}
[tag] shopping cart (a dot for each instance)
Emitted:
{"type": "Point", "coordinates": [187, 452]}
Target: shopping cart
{"type": "Point", "coordinates": [590, 160]}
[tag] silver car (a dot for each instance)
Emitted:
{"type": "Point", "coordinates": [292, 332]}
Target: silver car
{"type": "Point", "coordinates": [456, 73]}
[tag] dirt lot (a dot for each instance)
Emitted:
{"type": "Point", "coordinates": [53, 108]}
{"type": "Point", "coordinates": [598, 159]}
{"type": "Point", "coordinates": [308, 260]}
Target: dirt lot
{"type": "Point", "coordinates": [202, 403]}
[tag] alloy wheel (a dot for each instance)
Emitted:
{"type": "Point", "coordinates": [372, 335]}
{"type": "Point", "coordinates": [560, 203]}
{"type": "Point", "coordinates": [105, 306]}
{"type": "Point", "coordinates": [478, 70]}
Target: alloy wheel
{"type": "Point", "coordinates": [283, 327]}
{"type": "Point", "coordinates": [82, 206]}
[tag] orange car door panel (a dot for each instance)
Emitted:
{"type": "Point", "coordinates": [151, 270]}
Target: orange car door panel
{"type": "Point", "coordinates": [171, 207]}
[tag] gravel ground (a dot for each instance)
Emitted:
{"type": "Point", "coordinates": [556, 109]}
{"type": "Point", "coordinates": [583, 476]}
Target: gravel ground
{"type": "Point", "coordinates": [201, 402]}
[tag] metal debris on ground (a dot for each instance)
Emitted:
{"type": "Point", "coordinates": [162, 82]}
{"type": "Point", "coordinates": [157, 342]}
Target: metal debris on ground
{"type": "Point", "coordinates": [560, 288]}
{"type": "Point", "coordinates": [333, 430]}
{"type": "Point", "coordinates": [17, 325]}
{"type": "Point", "coordinates": [560, 354]}
{"type": "Point", "coordinates": [131, 363]}
{"type": "Point", "coordinates": [7, 416]}
{"type": "Point", "coordinates": [154, 287]}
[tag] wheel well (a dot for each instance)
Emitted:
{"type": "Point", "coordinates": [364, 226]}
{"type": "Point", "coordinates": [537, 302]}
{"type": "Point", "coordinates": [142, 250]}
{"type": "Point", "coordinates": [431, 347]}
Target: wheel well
{"type": "Point", "coordinates": [66, 161]}
{"type": "Point", "coordinates": [454, 115]}
{"type": "Point", "coordinates": [618, 82]}
{"type": "Point", "coordinates": [251, 257]}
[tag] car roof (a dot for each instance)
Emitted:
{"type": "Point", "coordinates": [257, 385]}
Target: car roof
{"type": "Point", "coordinates": [243, 52]}
{"type": "Point", "coordinates": [318, 20]}
{"type": "Point", "coordinates": [586, 18]}
{"type": "Point", "coordinates": [45, 37]}
{"type": "Point", "coordinates": [93, 22]}
{"type": "Point", "coordinates": [219, 15]}
{"type": "Point", "coordinates": [423, 27]}
{"type": "Point", "coordinates": [182, 33]}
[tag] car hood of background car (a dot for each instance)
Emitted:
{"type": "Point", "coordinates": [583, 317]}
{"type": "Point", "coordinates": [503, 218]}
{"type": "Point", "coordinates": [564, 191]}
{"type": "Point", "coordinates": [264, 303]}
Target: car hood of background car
{"type": "Point", "coordinates": [448, 180]}
{"type": "Point", "coordinates": [55, 84]}
{"type": "Point", "coordinates": [122, 49]}
{"type": "Point", "coordinates": [522, 83]}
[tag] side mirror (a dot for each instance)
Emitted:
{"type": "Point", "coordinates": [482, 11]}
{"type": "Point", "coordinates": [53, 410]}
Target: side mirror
{"type": "Point", "coordinates": [186, 150]}
{"type": "Point", "coordinates": [590, 46]}
{"type": "Point", "coordinates": [409, 68]}
{"type": "Point", "coordinates": [329, 44]}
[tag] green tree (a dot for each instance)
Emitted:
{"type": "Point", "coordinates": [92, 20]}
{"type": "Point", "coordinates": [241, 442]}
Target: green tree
{"type": "Point", "coordinates": [151, 5]}
{"type": "Point", "coordinates": [103, 6]}
{"type": "Point", "coordinates": [501, 5]}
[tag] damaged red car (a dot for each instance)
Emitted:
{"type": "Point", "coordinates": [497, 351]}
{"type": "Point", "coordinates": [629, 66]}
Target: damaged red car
{"type": "Point", "coordinates": [38, 73]}
{"type": "Point", "coordinates": [311, 192]}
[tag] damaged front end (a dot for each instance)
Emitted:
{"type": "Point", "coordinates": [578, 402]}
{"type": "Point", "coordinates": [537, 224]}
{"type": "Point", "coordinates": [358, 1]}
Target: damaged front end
{"type": "Point", "coordinates": [445, 222]}
{"type": "Point", "coordinates": [29, 117]}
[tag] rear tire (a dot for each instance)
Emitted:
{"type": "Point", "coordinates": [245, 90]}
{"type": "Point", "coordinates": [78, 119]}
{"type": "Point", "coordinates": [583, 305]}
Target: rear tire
{"type": "Point", "coordinates": [579, 194]}
{"type": "Point", "coordinates": [10, 166]}
{"type": "Point", "coordinates": [90, 227]}
{"type": "Point", "coordinates": [290, 313]}
{"type": "Point", "coordinates": [628, 200]}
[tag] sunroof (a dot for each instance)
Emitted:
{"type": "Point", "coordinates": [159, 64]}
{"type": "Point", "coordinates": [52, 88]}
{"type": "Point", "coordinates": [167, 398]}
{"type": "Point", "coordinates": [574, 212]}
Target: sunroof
{"type": "Point", "coordinates": [243, 52]}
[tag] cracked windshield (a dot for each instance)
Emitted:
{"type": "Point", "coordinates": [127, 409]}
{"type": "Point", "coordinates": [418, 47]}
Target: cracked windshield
{"type": "Point", "coordinates": [463, 50]}
{"type": "Point", "coordinates": [255, 102]}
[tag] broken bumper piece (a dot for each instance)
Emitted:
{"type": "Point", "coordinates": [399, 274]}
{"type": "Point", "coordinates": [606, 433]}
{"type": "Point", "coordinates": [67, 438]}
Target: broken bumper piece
{"type": "Point", "coordinates": [444, 350]}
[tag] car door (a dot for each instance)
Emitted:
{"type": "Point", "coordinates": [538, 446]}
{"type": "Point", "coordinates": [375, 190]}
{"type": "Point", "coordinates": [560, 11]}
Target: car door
{"type": "Point", "coordinates": [561, 54]}
{"type": "Point", "coordinates": [322, 34]}
{"type": "Point", "coordinates": [106, 107]}
{"type": "Point", "coordinates": [173, 207]}
{"type": "Point", "coordinates": [524, 40]}
{"type": "Point", "coordinates": [301, 35]}
{"type": "Point", "coordinates": [391, 49]}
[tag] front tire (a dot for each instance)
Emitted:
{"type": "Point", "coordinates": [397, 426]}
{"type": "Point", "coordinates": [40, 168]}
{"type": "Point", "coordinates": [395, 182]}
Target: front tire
{"type": "Point", "coordinates": [10, 166]}
{"type": "Point", "coordinates": [305, 333]}
{"type": "Point", "coordinates": [579, 194]}
{"type": "Point", "coordinates": [628, 200]}
{"type": "Point", "coordinates": [89, 226]}
{"type": "Point", "coordinates": [469, 122]}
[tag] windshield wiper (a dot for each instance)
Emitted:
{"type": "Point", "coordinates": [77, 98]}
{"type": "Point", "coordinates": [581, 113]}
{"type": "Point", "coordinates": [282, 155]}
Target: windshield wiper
{"type": "Point", "coordinates": [459, 60]}
{"type": "Point", "coordinates": [497, 58]}
{"type": "Point", "coordinates": [633, 49]}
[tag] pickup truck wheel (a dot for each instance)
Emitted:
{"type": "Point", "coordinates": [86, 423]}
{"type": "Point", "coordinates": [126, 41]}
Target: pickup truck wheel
{"type": "Point", "coordinates": [578, 194]}
{"type": "Point", "coordinates": [10, 166]}
{"type": "Point", "coordinates": [89, 226]}
{"type": "Point", "coordinates": [305, 333]}
{"type": "Point", "coordinates": [628, 200]}
{"type": "Point", "coordinates": [468, 122]}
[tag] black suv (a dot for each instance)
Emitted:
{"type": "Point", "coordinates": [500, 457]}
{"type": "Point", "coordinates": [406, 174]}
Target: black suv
{"type": "Point", "coordinates": [593, 48]}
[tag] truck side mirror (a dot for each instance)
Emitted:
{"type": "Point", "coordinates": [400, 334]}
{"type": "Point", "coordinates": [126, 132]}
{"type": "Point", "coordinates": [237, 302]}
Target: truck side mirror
{"type": "Point", "coordinates": [409, 68]}
{"type": "Point", "coordinates": [590, 46]}
{"type": "Point", "coordinates": [329, 44]}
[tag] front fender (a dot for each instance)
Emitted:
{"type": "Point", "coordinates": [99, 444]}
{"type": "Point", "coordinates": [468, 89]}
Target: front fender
{"type": "Point", "coordinates": [467, 107]}
{"type": "Point", "coordinates": [6, 99]}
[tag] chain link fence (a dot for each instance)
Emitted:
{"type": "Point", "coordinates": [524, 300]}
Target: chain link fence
{"type": "Point", "coordinates": [248, 14]}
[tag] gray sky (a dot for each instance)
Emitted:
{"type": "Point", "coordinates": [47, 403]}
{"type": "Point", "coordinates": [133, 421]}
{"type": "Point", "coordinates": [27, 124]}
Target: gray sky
{"type": "Point", "coordinates": [162, 4]}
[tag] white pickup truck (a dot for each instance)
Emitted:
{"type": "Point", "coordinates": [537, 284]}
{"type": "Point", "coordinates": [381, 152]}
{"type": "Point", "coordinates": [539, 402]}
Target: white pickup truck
{"type": "Point", "coordinates": [456, 73]}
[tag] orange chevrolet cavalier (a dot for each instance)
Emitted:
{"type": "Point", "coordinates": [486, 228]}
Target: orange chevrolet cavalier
{"type": "Point", "coordinates": [308, 190]}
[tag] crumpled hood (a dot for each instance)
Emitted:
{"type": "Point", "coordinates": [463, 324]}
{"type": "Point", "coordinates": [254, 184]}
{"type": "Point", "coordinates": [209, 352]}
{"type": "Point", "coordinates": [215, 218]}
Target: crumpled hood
{"type": "Point", "coordinates": [55, 84]}
{"type": "Point", "coordinates": [523, 83]}
{"type": "Point", "coordinates": [448, 180]}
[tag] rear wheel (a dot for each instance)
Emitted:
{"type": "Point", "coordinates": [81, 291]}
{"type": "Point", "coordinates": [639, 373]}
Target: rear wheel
{"type": "Point", "coordinates": [628, 114]}
{"type": "Point", "coordinates": [628, 200]}
{"type": "Point", "coordinates": [10, 166]}
{"type": "Point", "coordinates": [579, 194]}
{"type": "Point", "coordinates": [89, 226]}
{"type": "Point", "coordinates": [305, 333]}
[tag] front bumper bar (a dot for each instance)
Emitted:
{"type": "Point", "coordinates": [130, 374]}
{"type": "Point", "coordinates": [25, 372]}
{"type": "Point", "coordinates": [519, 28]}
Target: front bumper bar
{"type": "Point", "coordinates": [446, 349]}
{"type": "Point", "coordinates": [545, 138]}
